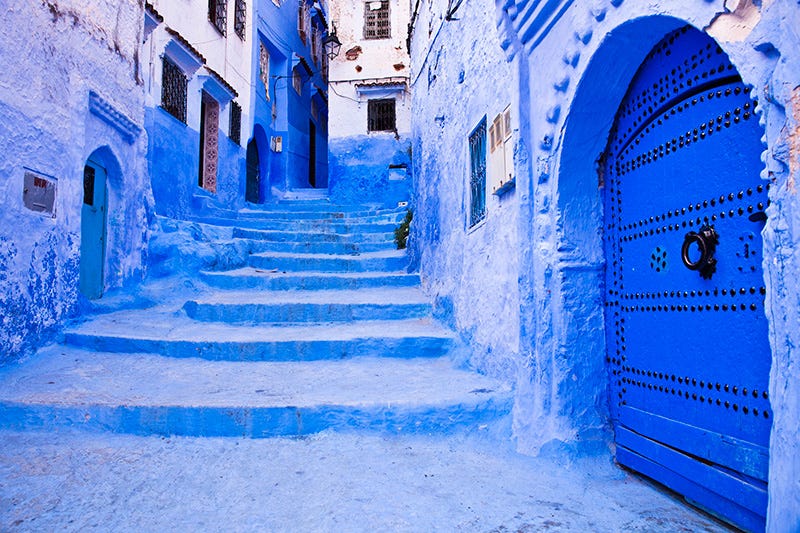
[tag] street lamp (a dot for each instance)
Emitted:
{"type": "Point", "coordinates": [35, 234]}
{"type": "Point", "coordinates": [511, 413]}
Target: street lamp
{"type": "Point", "coordinates": [332, 44]}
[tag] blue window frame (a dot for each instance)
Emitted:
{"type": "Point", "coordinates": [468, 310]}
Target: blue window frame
{"type": "Point", "coordinates": [477, 176]}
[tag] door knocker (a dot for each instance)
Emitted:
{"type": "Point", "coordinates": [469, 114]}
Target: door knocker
{"type": "Point", "coordinates": [707, 240]}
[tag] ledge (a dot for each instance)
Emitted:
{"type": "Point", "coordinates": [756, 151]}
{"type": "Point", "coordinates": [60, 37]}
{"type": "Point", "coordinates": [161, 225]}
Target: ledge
{"type": "Point", "coordinates": [100, 107]}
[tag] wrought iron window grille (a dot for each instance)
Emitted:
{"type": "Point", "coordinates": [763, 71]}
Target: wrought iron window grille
{"type": "Point", "coordinates": [377, 24]}
{"type": "Point", "coordinates": [240, 18]}
{"type": "Point", "coordinates": [218, 15]}
{"type": "Point", "coordinates": [235, 129]}
{"type": "Point", "coordinates": [173, 90]}
{"type": "Point", "coordinates": [381, 115]}
{"type": "Point", "coordinates": [477, 178]}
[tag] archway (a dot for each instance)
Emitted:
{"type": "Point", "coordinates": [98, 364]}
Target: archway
{"type": "Point", "coordinates": [685, 333]}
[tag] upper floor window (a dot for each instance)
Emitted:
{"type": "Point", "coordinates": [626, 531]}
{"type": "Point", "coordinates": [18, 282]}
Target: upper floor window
{"type": "Point", "coordinates": [217, 14]}
{"type": "Point", "coordinates": [376, 20]}
{"type": "Point", "coordinates": [263, 61]}
{"type": "Point", "coordinates": [381, 115]}
{"type": "Point", "coordinates": [173, 90]}
{"type": "Point", "coordinates": [240, 18]}
{"type": "Point", "coordinates": [235, 126]}
{"type": "Point", "coordinates": [302, 21]}
{"type": "Point", "coordinates": [297, 81]}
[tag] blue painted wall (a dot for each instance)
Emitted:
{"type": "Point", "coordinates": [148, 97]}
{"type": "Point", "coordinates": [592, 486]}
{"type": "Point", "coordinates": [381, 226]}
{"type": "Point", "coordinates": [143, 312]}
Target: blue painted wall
{"type": "Point", "coordinates": [287, 114]}
{"type": "Point", "coordinates": [361, 169]}
{"type": "Point", "coordinates": [569, 65]}
{"type": "Point", "coordinates": [50, 123]}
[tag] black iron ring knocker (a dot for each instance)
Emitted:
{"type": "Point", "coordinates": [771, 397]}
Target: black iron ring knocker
{"type": "Point", "coordinates": [706, 240]}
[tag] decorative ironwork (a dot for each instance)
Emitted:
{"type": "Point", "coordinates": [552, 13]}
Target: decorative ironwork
{"type": "Point", "coordinates": [377, 24]}
{"type": "Point", "coordinates": [381, 115]}
{"type": "Point", "coordinates": [477, 179]}
{"type": "Point", "coordinates": [263, 61]}
{"type": "Point", "coordinates": [235, 129]}
{"type": "Point", "coordinates": [302, 21]}
{"type": "Point", "coordinates": [218, 14]}
{"type": "Point", "coordinates": [240, 18]}
{"type": "Point", "coordinates": [209, 143]}
{"type": "Point", "coordinates": [173, 90]}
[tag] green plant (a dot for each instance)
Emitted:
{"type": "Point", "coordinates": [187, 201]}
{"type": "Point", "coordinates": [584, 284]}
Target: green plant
{"type": "Point", "coordinates": [401, 231]}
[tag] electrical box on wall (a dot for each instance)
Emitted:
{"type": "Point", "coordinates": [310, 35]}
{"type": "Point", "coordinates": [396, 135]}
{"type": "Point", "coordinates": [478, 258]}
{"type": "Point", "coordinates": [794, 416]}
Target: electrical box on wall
{"type": "Point", "coordinates": [501, 153]}
{"type": "Point", "coordinates": [39, 193]}
{"type": "Point", "coordinates": [276, 143]}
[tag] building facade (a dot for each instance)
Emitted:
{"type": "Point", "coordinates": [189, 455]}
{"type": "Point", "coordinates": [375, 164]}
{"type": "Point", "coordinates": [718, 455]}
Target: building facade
{"type": "Point", "coordinates": [605, 204]}
{"type": "Point", "coordinates": [75, 198]}
{"type": "Point", "coordinates": [289, 140]}
{"type": "Point", "coordinates": [370, 149]}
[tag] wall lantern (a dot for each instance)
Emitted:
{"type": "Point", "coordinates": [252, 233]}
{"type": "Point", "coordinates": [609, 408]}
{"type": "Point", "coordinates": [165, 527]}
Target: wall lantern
{"type": "Point", "coordinates": [332, 44]}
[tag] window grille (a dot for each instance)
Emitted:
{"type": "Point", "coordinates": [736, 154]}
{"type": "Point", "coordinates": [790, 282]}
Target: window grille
{"type": "Point", "coordinates": [173, 90]}
{"type": "Point", "coordinates": [477, 178]}
{"type": "Point", "coordinates": [235, 129]}
{"type": "Point", "coordinates": [217, 14]}
{"type": "Point", "coordinates": [240, 18]}
{"type": "Point", "coordinates": [381, 115]}
{"type": "Point", "coordinates": [264, 64]}
{"type": "Point", "coordinates": [302, 21]}
{"type": "Point", "coordinates": [315, 42]}
{"type": "Point", "coordinates": [297, 81]}
{"type": "Point", "coordinates": [377, 24]}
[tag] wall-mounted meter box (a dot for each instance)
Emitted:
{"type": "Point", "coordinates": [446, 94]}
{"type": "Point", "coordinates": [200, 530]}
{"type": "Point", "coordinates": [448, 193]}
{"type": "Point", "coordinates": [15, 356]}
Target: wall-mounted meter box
{"type": "Point", "coordinates": [276, 143]}
{"type": "Point", "coordinates": [39, 193]}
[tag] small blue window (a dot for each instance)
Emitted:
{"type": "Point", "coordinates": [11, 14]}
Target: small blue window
{"type": "Point", "coordinates": [477, 177]}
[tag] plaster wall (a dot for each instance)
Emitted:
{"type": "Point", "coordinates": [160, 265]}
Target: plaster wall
{"type": "Point", "coordinates": [367, 69]}
{"type": "Point", "coordinates": [461, 77]}
{"type": "Point", "coordinates": [573, 62]}
{"type": "Point", "coordinates": [174, 171]}
{"type": "Point", "coordinates": [71, 89]}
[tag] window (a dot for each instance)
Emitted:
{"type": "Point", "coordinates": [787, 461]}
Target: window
{"type": "Point", "coordinates": [173, 90]}
{"type": "Point", "coordinates": [501, 153]}
{"type": "Point", "coordinates": [297, 81]}
{"type": "Point", "coordinates": [477, 175]}
{"type": "Point", "coordinates": [376, 20]}
{"type": "Point", "coordinates": [263, 62]}
{"type": "Point", "coordinates": [240, 18]}
{"type": "Point", "coordinates": [209, 143]}
{"type": "Point", "coordinates": [235, 129]}
{"type": "Point", "coordinates": [217, 14]}
{"type": "Point", "coordinates": [381, 115]}
{"type": "Point", "coordinates": [302, 21]}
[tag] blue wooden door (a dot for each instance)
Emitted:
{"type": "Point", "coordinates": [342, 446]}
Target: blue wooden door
{"type": "Point", "coordinates": [253, 185]}
{"type": "Point", "coordinates": [93, 230]}
{"type": "Point", "coordinates": [687, 346]}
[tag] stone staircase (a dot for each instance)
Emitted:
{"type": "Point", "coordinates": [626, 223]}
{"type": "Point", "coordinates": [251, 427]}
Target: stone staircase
{"type": "Point", "coordinates": [283, 320]}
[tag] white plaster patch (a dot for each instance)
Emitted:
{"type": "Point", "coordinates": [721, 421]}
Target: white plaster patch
{"type": "Point", "coordinates": [736, 23]}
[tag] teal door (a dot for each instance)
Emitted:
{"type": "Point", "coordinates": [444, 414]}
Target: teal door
{"type": "Point", "coordinates": [93, 230]}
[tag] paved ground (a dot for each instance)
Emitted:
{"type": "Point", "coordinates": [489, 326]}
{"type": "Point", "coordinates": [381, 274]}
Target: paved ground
{"type": "Point", "coordinates": [328, 482]}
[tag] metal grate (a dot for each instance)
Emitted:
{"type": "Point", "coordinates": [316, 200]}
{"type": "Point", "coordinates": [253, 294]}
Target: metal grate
{"type": "Point", "coordinates": [381, 115]}
{"type": "Point", "coordinates": [240, 18]}
{"type": "Point", "coordinates": [377, 24]}
{"type": "Point", "coordinates": [235, 130]}
{"type": "Point", "coordinates": [218, 14]}
{"type": "Point", "coordinates": [302, 20]}
{"type": "Point", "coordinates": [477, 178]}
{"type": "Point", "coordinates": [173, 90]}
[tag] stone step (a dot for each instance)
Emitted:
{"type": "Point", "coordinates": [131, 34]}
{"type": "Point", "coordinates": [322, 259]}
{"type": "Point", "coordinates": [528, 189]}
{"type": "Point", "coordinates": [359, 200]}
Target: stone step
{"type": "Point", "coordinates": [146, 394]}
{"type": "Point", "coordinates": [383, 215]}
{"type": "Point", "coordinates": [173, 334]}
{"type": "Point", "coordinates": [254, 278]}
{"type": "Point", "coordinates": [356, 226]}
{"type": "Point", "coordinates": [313, 236]}
{"type": "Point", "coordinates": [335, 248]}
{"type": "Point", "coordinates": [238, 307]}
{"type": "Point", "coordinates": [368, 262]}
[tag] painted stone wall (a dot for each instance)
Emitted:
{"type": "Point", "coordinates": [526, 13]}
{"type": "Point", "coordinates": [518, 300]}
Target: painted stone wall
{"type": "Point", "coordinates": [573, 62]}
{"type": "Point", "coordinates": [369, 166]}
{"type": "Point", "coordinates": [461, 77]}
{"type": "Point", "coordinates": [72, 88]}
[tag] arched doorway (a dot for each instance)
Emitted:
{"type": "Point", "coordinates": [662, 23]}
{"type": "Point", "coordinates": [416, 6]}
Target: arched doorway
{"type": "Point", "coordinates": [93, 229]}
{"type": "Point", "coordinates": [686, 330]}
{"type": "Point", "coordinates": [253, 186]}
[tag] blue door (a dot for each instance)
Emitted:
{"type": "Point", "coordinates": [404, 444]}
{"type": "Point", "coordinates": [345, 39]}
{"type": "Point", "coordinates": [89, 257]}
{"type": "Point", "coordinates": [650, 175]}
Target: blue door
{"type": "Point", "coordinates": [93, 230]}
{"type": "Point", "coordinates": [687, 348]}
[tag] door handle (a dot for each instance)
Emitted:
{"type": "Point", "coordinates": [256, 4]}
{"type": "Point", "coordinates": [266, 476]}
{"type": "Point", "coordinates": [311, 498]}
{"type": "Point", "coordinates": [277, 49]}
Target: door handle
{"type": "Point", "coordinates": [706, 240]}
